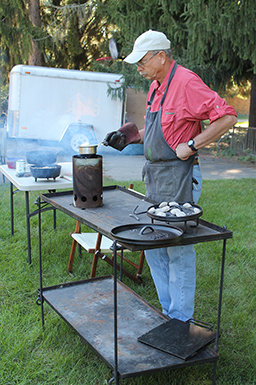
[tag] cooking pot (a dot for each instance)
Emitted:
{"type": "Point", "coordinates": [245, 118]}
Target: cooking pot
{"type": "Point", "coordinates": [147, 234]}
{"type": "Point", "coordinates": [49, 171]}
{"type": "Point", "coordinates": [188, 214]}
{"type": "Point", "coordinates": [87, 149]}
{"type": "Point", "coordinates": [41, 156]}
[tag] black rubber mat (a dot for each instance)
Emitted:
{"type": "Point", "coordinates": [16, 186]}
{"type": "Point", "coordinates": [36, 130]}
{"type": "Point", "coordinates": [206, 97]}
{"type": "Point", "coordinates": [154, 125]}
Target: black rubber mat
{"type": "Point", "coordinates": [181, 339]}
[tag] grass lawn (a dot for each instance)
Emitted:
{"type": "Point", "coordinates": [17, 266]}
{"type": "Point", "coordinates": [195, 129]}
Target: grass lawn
{"type": "Point", "coordinates": [57, 355]}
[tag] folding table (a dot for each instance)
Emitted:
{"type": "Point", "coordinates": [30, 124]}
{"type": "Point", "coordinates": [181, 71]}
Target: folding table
{"type": "Point", "coordinates": [28, 184]}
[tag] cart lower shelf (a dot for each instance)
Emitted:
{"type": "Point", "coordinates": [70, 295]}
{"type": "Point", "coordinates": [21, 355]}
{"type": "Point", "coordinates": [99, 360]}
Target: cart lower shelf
{"type": "Point", "coordinates": [88, 307]}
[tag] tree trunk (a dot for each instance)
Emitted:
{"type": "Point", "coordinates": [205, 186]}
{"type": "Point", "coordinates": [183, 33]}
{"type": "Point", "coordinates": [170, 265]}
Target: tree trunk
{"type": "Point", "coordinates": [36, 57]}
{"type": "Point", "coordinates": [252, 113]}
{"type": "Point", "coordinates": [250, 138]}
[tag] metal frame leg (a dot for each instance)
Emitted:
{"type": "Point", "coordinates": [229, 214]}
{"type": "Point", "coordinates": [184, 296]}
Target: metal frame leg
{"type": "Point", "coordinates": [116, 374]}
{"type": "Point", "coordinates": [54, 212]}
{"type": "Point", "coordinates": [28, 226]}
{"type": "Point", "coordinates": [40, 299]}
{"type": "Point", "coordinates": [11, 206]}
{"type": "Point", "coordinates": [219, 307]}
{"type": "Point", "coordinates": [121, 264]}
{"type": "Point", "coordinates": [27, 217]}
{"type": "Point", "coordinates": [54, 219]}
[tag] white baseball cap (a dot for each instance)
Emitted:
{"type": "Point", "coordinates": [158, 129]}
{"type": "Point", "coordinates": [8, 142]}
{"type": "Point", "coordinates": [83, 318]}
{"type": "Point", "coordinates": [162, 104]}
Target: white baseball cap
{"type": "Point", "coordinates": [148, 41]}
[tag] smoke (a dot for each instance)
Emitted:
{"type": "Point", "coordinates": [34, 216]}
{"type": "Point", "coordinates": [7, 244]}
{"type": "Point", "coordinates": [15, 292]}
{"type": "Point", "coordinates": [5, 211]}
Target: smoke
{"type": "Point", "coordinates": [132, 149]}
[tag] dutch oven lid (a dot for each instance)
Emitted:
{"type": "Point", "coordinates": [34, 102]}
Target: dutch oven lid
{"type": "Point", "coordinates": [147, 234]}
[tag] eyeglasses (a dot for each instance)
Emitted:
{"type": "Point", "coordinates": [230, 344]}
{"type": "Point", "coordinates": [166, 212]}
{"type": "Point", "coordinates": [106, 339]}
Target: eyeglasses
{"type": "Point", "coordinates": [142, 64]}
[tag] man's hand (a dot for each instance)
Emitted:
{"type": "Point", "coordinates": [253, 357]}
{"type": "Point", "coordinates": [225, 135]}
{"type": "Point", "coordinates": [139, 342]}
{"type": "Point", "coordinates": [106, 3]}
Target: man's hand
{"type": "Point", "coordinates": [119, 139]}
{"type": "Point", "coordinates": [183, 151]}
{"type": "Point", "coordinates": [212, 133]}
{"type": "Point", "coordinates": [116, 140]}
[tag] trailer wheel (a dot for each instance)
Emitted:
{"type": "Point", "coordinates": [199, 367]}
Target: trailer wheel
{"type": "Point", "coordinates": [75, 136]}
{"type": "Point", "coordinates": [77, 140]}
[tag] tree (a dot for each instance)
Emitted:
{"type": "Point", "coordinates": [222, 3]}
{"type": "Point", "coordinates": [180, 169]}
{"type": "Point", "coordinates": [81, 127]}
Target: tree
{"type": "Point", "coordinates": [36, 55]}
{"type": "Point", "coordinates": [74, 33]}
{"type": "Point", "coordinates": [222, 35]}
{"type": "Point", "coordinates": [126, 20]}
{"type": "Point", "coordinates": [56, 33]}
{"type": "Point", "coordinates": [15, 41]}
{"type": "Point", "coordinates": [214, 38]}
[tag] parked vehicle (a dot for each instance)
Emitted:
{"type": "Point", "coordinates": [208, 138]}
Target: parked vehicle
{"type": "Point", "coordinates": [70, 107]}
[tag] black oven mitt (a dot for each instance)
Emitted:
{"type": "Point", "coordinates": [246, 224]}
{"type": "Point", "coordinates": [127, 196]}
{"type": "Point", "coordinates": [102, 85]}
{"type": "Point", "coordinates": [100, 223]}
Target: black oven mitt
{"type": "Point", "coordinates": [119, 139]}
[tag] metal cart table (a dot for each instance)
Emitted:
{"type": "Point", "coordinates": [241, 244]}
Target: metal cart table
{"type": "Point", "coordinates": [106, 313]}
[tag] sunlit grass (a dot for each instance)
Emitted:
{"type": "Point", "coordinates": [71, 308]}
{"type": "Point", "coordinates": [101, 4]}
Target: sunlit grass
{"type": "Point", "coordinates": [57, 356]}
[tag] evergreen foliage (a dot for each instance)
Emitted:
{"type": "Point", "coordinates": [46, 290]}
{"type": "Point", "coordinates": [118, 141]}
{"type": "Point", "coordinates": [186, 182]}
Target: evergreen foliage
{"type": "Point", "coordinates": [15, 29]}
{"type": "Point", "coordinates": [131, 77]}
{"type": "Point", "coordinates": [74, 33]}
{"type": "Point", "coordinates": [223, 33]}
{"type": "Point", "coordinates": [214, 38]}
{"type": "Point", "coordinates": [69, 36]}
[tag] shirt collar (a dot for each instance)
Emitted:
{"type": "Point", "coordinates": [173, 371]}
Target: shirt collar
{"type": "Point", "coordinates": [162, 87]}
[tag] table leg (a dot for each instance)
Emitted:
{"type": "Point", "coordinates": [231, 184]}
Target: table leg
{"type": "Point", "coordinates": [40, 299]}
{"type": "Point", "coordinates": [54, 212]}
{"type": "Point", "coordinates": [28, 226]}
{"type": "Point", "coordinates": [73, 248]}
{"type": "Point", "coordinates": [219, 307]}
{"type": "Point", "coordinates": [121, 264]}
{"type": "Point", "coordinates": [54, 219]}
{"type": "Point", "coordinates": [96, 255]}
{"type": "Point", "coordinates": [11, 197]}
{"type": "Point", "coordinates": [116, 376]}
{"type": "Point", "coordinates": [140, 265]}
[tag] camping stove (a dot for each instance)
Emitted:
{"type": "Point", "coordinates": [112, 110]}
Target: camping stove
{"type": "Point", "coordinates": [87, 177]}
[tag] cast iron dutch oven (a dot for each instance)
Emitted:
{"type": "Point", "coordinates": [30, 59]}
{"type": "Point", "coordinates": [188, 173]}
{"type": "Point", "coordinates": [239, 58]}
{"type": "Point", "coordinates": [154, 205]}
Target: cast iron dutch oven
{"type": "Point", "coordinates": [41, 156]}
{"type": "Point", "coordinates": [147, 234]}
{"type": "Point", "coordinates": [50, 171]}
{"type": "Point", "coordinates": [188, 213]}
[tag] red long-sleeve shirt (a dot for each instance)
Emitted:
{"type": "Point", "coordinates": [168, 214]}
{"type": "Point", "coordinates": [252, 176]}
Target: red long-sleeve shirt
{"type": "Point", "coordinates": [188, 101]}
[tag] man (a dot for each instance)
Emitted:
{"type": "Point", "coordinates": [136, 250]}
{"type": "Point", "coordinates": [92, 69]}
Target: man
{"type": "Point", "coordinates": [177, 102]}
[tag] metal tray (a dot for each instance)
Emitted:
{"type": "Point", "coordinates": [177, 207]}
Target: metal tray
{"type": "Point", "coordinates": [87, 306]}
{"type": "Point", "coordinates": [147, 234]}
{"type": "Point", "coordinates": [118, 203]}
{"type": "Point", "coordinates": [189, 214]}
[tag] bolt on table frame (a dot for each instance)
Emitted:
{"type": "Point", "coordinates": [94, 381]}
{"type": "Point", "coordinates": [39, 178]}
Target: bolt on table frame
{"type": "Point", "coordinates": [103, 219]}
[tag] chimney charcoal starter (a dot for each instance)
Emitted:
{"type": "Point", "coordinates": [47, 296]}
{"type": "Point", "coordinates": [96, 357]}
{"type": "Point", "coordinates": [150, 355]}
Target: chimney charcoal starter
{"type": "Point", "coordinates": [87, 178]}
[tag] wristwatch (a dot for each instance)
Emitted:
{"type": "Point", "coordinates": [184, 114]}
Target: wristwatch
{"type": "Point", "coordinates": [190, 144]}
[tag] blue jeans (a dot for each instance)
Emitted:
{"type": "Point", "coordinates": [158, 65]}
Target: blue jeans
{"type": "Point", "coordinates": [173, 270]}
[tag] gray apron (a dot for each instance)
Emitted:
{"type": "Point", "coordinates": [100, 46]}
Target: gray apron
{"type": "Point", "coordinates": [166, 177]}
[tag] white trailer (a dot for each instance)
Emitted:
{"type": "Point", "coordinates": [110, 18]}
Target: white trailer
{"type": "Point", "coordinates": [60, 105]}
